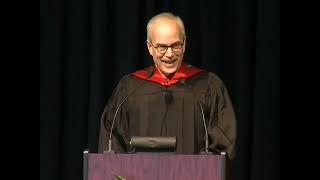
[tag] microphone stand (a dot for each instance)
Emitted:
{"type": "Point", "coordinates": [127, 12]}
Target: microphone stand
{"type": "Point", "coordinates": [149, 74]}
{"type": "Point", "coordinates": [206, 136]}
{"type": "Point", "coordinates": [206, 149]}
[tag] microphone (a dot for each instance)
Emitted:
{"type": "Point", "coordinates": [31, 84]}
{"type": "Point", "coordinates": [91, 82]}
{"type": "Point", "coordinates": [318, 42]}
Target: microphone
{"type": "Point", "coordinates": [206, 131]}
{"type": "Point", "coordinates": [168, 97]}
{"type": "Point", "coordinates": [182, 81]}
{"type": "Point", "coordinates": [150, 73]}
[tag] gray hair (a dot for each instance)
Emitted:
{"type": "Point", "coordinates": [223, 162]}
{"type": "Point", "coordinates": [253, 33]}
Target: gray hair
{"type": "Point", "coordinates": [161, 16]}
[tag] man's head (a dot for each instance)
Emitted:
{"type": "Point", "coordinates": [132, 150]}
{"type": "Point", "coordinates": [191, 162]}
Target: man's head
{"type": "Point", "coordinates": [166, 41]}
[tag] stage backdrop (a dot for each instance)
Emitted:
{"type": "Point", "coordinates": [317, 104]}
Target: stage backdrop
{"type": "Point", "coordinates": [86, 46]}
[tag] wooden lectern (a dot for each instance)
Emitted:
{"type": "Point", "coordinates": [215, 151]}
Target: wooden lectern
{"type": "Point", "coordinates": [151, 166]}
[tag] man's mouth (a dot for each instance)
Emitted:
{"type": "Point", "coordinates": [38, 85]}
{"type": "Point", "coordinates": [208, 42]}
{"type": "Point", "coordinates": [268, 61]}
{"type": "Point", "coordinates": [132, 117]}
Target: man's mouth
{"type": "Point", "coordinates": [169, 62]}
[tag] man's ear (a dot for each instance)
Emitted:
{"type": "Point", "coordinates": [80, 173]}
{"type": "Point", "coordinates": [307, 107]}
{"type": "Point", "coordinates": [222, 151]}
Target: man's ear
{"type": "Point", "coordinates": [184, 44]}
{"type": "Point", "coordinates": [150, 49]}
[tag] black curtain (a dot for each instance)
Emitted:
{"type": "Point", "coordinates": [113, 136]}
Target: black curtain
{"type": "Point", "coordinates": [86, 46]}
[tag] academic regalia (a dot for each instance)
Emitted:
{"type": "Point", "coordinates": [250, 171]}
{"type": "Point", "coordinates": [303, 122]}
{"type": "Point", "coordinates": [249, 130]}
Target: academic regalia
{"type": "Point", "coordinates": [159, 106]}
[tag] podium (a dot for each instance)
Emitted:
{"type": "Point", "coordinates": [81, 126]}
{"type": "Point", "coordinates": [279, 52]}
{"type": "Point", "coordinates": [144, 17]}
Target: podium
{"type": "Point", "coordinates": [98, 166]}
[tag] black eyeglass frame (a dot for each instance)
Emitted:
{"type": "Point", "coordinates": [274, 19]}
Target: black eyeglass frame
{"type": "Point", "coordinates": [175, 47]}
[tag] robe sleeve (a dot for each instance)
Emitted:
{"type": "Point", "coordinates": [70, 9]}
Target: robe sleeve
{"type": "Point", "coordinates": [221, 120]}
{"type": "Point", "coordinates": [119, 140]}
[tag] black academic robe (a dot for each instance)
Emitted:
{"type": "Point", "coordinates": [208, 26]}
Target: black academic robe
{"type": "Point", "coordinates": [147, 112]}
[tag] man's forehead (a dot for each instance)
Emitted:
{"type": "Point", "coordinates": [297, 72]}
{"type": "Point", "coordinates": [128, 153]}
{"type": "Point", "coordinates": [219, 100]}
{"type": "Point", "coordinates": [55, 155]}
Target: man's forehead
{"type": "Point", "coordinates": [166, 23]}
{"type": "Point", "coordinates": [166, 31]}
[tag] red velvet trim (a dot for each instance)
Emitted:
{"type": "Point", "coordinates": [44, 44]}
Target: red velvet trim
{"type": "Point", "coordinates": [184, 72]}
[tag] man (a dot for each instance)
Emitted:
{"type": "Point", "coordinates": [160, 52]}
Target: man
{"type": "Point", "coordinates": [170, 98]}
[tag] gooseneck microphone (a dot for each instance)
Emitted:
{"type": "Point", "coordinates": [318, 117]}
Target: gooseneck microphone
{"type": "Point", "coordinates": [149, 75]}
{"type": "Point", "coordinates": [167, 99]}
{"type": "Point", "coordinates": [206, 131]}
{"type": "Point", "coordinates": [183, 82]}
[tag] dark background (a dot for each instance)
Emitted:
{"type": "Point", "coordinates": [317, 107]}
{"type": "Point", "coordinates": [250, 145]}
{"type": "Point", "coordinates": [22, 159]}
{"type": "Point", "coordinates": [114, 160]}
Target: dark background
{"type": "Point", "coordinates": [86, 46]}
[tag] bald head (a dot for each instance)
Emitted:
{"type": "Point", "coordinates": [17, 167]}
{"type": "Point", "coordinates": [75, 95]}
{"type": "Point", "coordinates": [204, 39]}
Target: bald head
{"type": "Point", "coordinates": [165, 20]}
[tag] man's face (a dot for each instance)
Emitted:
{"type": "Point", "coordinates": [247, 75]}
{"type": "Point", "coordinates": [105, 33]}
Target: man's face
{"type": "Point", "coordinates": [166, 33]}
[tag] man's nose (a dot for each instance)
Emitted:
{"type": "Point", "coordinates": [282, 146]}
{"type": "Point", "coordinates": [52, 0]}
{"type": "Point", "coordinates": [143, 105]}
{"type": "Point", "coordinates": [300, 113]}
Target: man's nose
{"type": "Point", "coordinates": [169, 52]}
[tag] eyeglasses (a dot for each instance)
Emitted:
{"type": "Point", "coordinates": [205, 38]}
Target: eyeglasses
{"type": "Point", "coordinates": [162, 49]}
